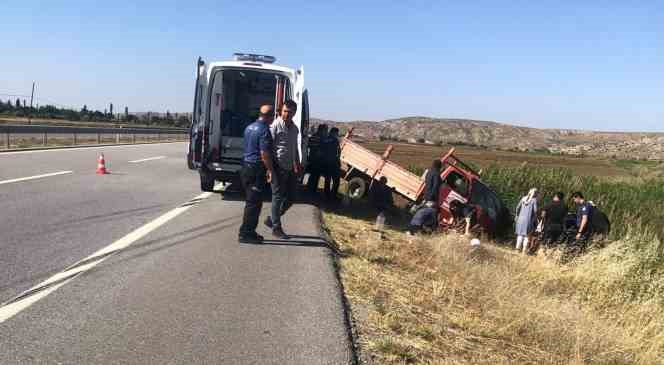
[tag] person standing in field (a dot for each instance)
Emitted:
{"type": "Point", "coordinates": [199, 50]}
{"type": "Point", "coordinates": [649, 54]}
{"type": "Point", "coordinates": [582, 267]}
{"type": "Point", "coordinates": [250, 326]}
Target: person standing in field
{"type": "Point", "coordinates": [526, 212]}
{"type": "Point", "coordinates": [553, 216]}
{"type": "Point", "coordinates": [257, 170]}
{"type": "Point", "coordinates": [287, 166]}
{"type": "Point", "coordinates": [331, 163]}
{"type": "Point", "coordinates": [584, 214]}
{"type": "Point", "coordinates": [380, 195]}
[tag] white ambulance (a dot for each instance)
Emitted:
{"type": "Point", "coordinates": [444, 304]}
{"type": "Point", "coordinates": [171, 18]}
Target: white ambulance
{"type": "Point", "coordinates": [227, 99]}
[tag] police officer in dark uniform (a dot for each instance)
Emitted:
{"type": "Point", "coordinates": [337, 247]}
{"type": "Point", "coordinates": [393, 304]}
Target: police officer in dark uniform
{"type": "Point", "coordinates": [256, 172]}
{"type": "Point", "coordinates": [584, 214]}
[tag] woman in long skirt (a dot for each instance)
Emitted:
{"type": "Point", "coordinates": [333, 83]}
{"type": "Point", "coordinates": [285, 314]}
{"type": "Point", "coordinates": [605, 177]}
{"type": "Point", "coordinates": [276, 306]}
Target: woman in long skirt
{"type": "Point", "coordinates": [526, 213]}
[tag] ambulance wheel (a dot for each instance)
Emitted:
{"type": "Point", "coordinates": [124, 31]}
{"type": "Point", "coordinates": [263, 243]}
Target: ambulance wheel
{"type": "Point", "coordinates": [357, 188]}
{"type": "Point", "coordinates": [190, 162]}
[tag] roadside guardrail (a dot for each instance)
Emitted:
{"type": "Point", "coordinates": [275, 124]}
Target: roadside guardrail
{"type": "Point", "coordinates": [28, 136]}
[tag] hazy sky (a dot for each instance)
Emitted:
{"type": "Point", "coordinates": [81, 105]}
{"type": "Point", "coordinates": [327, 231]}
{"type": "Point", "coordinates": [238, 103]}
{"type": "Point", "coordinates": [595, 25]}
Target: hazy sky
{"type": "Point", "coordinates": [577, 64]}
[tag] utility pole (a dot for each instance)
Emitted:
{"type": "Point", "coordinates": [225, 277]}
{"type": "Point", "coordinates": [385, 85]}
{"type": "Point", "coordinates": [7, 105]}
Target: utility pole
{"type": "Point", "coordinates": [32, 96]}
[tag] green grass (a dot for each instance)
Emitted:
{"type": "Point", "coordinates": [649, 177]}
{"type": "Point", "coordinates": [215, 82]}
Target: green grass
{"type": "Point", "coordinates": [631, 204]}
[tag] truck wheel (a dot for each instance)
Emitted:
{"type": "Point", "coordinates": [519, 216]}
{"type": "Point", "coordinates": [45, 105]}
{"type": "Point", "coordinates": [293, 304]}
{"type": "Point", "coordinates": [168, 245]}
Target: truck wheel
{"type": "Point", "coordinates": [207, 182]}
{"type": "Point", "coordinates": [357, 188]}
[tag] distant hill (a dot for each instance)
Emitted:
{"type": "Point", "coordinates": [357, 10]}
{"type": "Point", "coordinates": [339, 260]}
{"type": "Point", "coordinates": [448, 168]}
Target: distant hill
{"type": "Point", "coordinates": [621, 145]}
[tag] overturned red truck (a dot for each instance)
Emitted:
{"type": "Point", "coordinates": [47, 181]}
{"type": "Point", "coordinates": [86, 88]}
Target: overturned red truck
{"type": "Point", "coordinates": [462, 183]}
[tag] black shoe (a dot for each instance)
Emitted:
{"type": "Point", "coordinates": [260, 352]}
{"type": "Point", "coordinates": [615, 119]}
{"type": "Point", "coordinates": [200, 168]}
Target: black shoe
{"type": "Point", "coordinates": [279, 233]}
{"type": "Point", "coordinates": [268, 222]}
{"type": "Point", "coordinates": [250, 238]}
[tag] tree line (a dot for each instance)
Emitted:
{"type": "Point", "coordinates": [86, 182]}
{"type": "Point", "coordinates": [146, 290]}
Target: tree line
{"type": "Point", "coordinates": [21, 109]}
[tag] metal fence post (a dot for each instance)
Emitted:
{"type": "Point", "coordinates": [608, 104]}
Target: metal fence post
{"type": "Point", "coordinates": [74, 139]}
{"type": "Point", "coordinates": [117, 138]}
{"type": "Point", "coordinates": [7, 140]}
{"type": "Point", "coordinates": [45, 139]}
{"type": "Point", "coordinates": [133, 138]}
{"type": "Point", "coordinates": [98, 138]}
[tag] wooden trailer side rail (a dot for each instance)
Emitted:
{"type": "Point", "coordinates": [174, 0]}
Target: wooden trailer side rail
{"type": "Point", "coordinates": [375, 166]}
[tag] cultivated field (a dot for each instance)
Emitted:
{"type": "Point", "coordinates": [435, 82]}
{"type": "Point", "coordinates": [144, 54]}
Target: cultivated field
{"type": "Point", "coordinates": [420, 155]}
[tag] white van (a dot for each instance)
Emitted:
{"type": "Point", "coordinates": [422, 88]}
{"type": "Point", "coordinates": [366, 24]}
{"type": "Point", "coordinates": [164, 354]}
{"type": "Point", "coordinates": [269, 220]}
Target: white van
{"type": "Point", "coordinates": [227, 98]}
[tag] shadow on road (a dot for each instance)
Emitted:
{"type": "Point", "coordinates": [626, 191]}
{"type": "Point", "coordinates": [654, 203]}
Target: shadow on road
{"type": "Point", "coordinates": [187, 236]}
{"type": "Point", "coordinates": [294, 242]}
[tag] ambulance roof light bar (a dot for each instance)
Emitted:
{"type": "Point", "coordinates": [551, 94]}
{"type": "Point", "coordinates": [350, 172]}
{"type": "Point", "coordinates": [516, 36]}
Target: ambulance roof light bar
{"type": "Point", "coordinates": [254, 57]}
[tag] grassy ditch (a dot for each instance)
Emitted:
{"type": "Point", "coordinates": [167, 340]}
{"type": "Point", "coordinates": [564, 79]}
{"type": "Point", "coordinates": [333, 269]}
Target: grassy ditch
{"type": "Point", "coordinates": [433, 300]}
{"type": "Point", "coordinates": [429, 299]}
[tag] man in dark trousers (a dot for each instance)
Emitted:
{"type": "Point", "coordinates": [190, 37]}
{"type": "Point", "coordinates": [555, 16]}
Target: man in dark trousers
{"type": "Point", "coordinates": [432, 182]}
{"type": "Point", "coordinates": [256, 172]}
{"type": "Point", "coordinates": [314, 166]}
{"type": "Point", "coordinates": [331, 164]}
{"type": "Point", "coordinates": [426, 215]}
{"type": "Point", "coordinates": [287, 166]}
{"type": "Point", "coordinates": [584, 214]}
{"type": "Point", "coordinates": [554, 215]}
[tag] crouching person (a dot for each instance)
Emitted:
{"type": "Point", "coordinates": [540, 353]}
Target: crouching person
{"type": "Point", "coordinates": [424, 219]}
{"type": "Point", "coordinates": [427, 215]}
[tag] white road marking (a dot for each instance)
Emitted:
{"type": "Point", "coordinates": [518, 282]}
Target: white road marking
{"type": "Point", "coordinates": [85, 148]}
{"type": "Point", "coordinates": [148, 159]}
{"type": "Point", "coordinates": [11, 308]}
{"type": "Point", "coordinates": [35, 177]}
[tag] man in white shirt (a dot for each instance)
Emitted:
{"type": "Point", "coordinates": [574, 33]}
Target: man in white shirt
{"type": "Point", "coordinates": [287, 166]}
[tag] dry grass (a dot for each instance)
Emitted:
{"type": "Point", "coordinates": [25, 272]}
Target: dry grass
{"type": "Point", "coordinates": [431, 300]}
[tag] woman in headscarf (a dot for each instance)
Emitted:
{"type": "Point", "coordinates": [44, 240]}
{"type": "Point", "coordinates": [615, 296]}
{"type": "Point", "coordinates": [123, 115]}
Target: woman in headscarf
{"type": "Point", "coordinates": [526, 212]}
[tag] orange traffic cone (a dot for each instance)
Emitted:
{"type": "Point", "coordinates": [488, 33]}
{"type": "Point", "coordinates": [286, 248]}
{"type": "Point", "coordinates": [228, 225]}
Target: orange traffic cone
{"type": "Point", "coordinates": [101, 165]}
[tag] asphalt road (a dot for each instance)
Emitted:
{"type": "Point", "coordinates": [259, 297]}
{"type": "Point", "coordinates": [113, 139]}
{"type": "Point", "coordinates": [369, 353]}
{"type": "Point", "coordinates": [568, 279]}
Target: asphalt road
{"type": "Point", "coordinates": [177, 289]}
